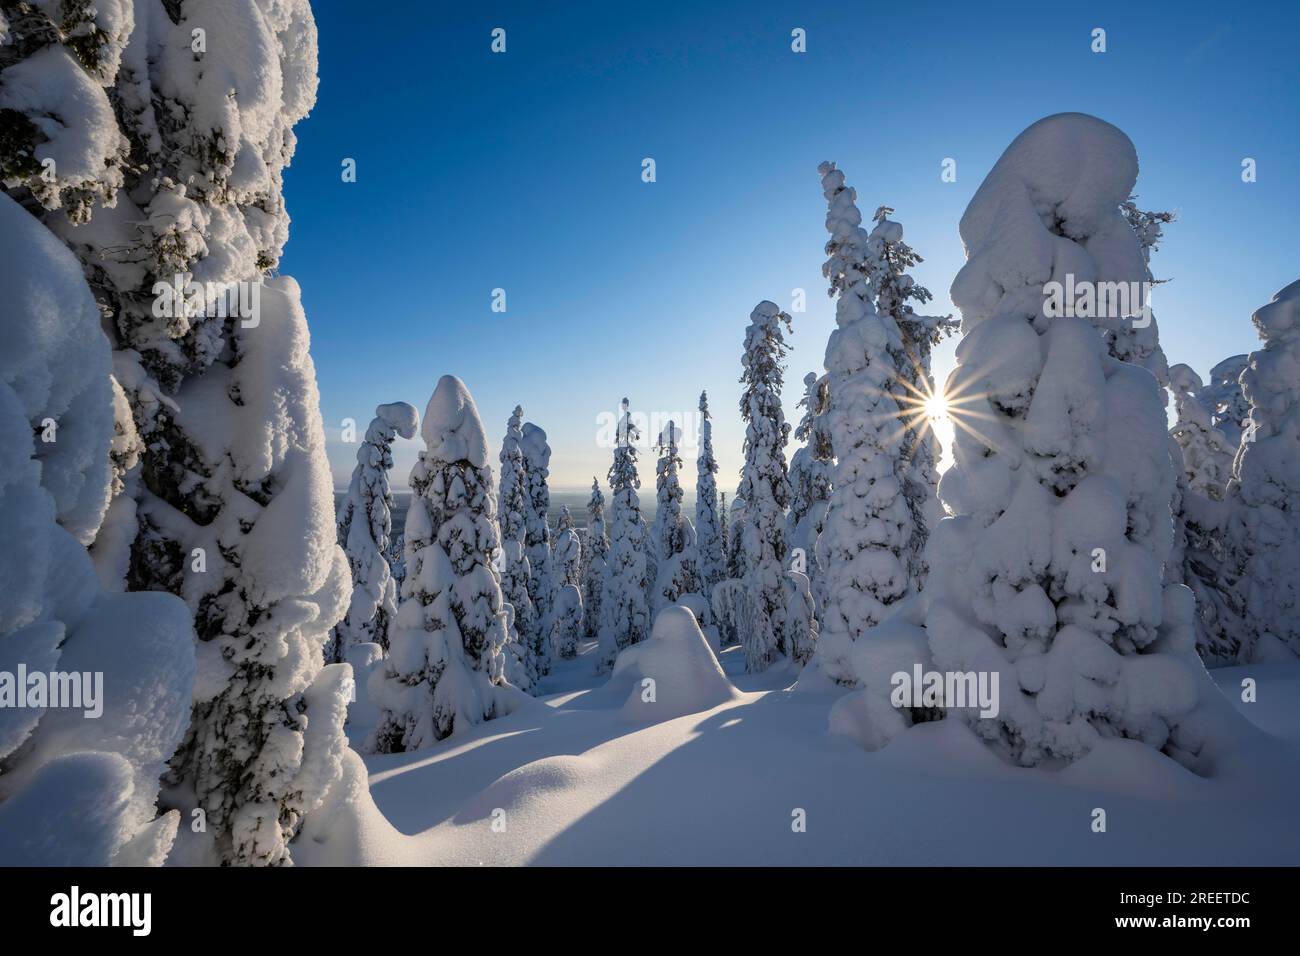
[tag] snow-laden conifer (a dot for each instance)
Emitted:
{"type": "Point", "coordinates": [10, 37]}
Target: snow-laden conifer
{"type": "Point", "coordinates": [671, 533]}
{"type": "Point", "coordinates": [1051, 573]}
{"type": "Point", "coordinates": [1226, 400]}
{"type": "Point", "coordinates": [710, 531]}
{"type": "Point", "coordinates": [566, 622]}
{"type": "Point", "coordinates": [889, 261]}
{"type": "Point", "coordinates": [1207, 454]}
{"type": "Point", "coordinates": [624, 617]}
{"type": "Point", "coordinates": [513, 510]}
{"type": "Point", "coordinates": [595, 555]}
{"type": "Point", "coordinates": [566, 552]}
{"type": "Point", "coordinates": [866, 551]}
{"type": "Point", "coordinates": [444, 670]}
{"type": "Point", "coordinates": [541, 581]}
{"type": "Point", "coordinates": [724, 525]}
{"type": "Point", "coordinates": [1264, 494]}
{"type": "Point", "coordinates": [77, 788]}
{"type": "Point", "coordinates": [1200, 514]}
{"type": "Point", "coordinates": [736, 539]}
{"type": "Point", "coordinates": [167, 186]}
{"type": "Point", "coordinates": [365, 523]}
{"type": "Point", "coordinates": [765, 487]}
{"type": "Point", "coordinates": [810, 472]}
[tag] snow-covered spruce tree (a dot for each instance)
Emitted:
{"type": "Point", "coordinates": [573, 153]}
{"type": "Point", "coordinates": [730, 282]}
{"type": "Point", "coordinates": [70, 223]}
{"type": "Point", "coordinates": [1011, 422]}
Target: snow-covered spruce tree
{"type": "Point", "coordinates": [365, 522]}
{"type": "Point", "coordinates": [1264, 494]}
{"type": "Point", "coordinates": [1207, 455]}
{"type": "Point", "coordinates": [810, 472]}
{"type": "Point", "coordinates": [1226, 400]}
{"type": "Point", "coordinates": [563, 523]}
{"type": "Point", "coordinates": [397, 559]}
{"type": "Point", "coordinates": [1138, 341]}
{"type": "Point", "coordinates": [541, 582]}
{"type": "Point", "coordinates": [513, 509]}
{"type": "Point", "coordinates": [1206, 460]}
{"type": "Point", "coordinates": [566, 622]}
{"type": "Point", "coordinates": [723, 524]}
{"type": "Point", "coordinates": [1147, 225]}
{"type": "Point", "coordinates": [73, 791]}
{"type": "Point", "coordinates": [671, 534]}
{"type": "Point", "coordinates": [727, 598]}
{"type": "Point", "coordinates": [729, 610]}
{"type": "Point", "coordinates": [230, 496]}
{"type": "Point", "coordinates": [651, 565]}
{"type": "Point", "coordinates": [1051, 573]}
{"type": "Point", "coordinates": [895, 291]}
{"type": "Point", "coordinates": [710, 532]}
{"type": "Point", "coordinates": [445, 665]}
{"type": "Point", "coordinates": [865, 551]}
{"type": "Point", "coordinates": [736, 539]}
{"type": "Point", "coordinates": [566, 552]}
{"type": "Point", "coordinates": [624, 618]}
{"type": "Point", "coordinates": [771, 601]}
{"type": "Point", "coordinates": [595, 556]}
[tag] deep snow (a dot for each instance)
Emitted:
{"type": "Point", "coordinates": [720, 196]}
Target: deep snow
{"type": "Point", "coordinates": [568, 781]}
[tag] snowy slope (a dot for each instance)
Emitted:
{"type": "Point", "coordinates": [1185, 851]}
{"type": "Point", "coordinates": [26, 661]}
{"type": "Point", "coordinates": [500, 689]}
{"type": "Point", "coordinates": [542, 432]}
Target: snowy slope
{"type": "Point", "coordinates": [568, 781]}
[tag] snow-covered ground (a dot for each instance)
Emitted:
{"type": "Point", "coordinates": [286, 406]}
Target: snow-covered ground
{"type": "Point", "coordinates": [570, 781]}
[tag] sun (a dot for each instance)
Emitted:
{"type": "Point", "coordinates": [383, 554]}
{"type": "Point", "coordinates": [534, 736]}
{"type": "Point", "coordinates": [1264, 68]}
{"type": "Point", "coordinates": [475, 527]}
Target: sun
{"type": "Point", "coordinates": [936, 406]}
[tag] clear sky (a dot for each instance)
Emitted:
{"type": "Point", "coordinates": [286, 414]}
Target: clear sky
{"type": "Point", "coordinates": [522, 171]}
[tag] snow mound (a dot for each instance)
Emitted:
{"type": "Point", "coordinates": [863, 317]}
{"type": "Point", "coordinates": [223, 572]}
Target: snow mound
{"type": "Point", "coordinates": [698, 605]}
{"type": "Point", "coordinates": [347, 828]}
{"type": "Point", "coordinates": [402, 417]}
{"type": "Point", "coordinates": [532, 783]}
{"type": "Point", "coordinates": [677, 658]}
{"type": "Point", "coordinates": [868, 716]}
{"type": "Point", "coordinates": [75, 811]}
{"type": "Point", "coordinates": [1129, 766]}
{"type": "Point", "coordinates": [142, 645]}
{"type": "Point", "coordinates": [452, 429]}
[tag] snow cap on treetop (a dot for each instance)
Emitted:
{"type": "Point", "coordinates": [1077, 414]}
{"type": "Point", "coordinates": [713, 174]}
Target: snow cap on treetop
{"type": "Point", "coordinates": [1231, 367]}
{"type": "Point", "coordinates": [402, 417]}
{"type": "Point", "coordinates": [534, 446]}
{"type": "Point", "coordinates": [452, 428]}
{"type": "Point", "coordinates": [1281, 314]}
{"type": "Point", "coordinates": [1183, 378]}
{"type": "Point", "coordinates": [671, 434]}
{"type": "Point", "coordinates": [1074, 168]}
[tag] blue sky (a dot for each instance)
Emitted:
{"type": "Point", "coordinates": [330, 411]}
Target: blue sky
{"type": "Point", "coordinates": [522, 171]}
